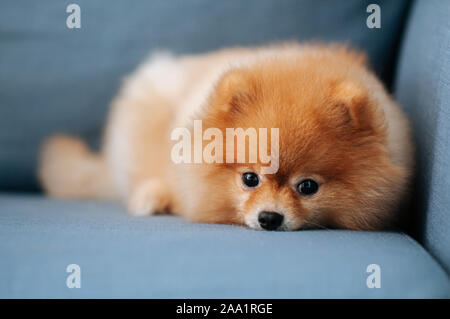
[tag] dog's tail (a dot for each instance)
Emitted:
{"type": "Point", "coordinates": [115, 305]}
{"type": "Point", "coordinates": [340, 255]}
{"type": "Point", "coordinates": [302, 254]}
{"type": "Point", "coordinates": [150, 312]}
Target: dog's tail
{"type": "Point", "coordinates": [68, 169]}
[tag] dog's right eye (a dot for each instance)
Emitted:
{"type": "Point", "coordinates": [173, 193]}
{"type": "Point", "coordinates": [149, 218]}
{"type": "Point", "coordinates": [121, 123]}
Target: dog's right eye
{"type": "Point", "coordinates": [250, 179]}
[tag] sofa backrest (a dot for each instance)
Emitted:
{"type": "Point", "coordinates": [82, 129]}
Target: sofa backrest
{"type": "Point", "coordinates": [53, 78]}
{"type": "Point", "coordinates": [423, 88]}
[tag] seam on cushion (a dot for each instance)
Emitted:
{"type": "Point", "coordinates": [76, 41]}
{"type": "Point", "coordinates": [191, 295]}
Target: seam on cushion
{"type": "Point", "coordinates": [424, 252]}
{"type": "Point", "coordinates": [441, 29]}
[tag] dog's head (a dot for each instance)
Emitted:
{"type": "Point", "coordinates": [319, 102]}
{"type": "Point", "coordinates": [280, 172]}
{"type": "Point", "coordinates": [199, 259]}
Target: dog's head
{"type": "Point", "coordinates": [333, 167]}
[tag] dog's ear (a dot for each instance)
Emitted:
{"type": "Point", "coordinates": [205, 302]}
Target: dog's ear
{"type": "Point", "coordinates": [352, 104]}
{"type": "Point", "coordinates": [232, 91]}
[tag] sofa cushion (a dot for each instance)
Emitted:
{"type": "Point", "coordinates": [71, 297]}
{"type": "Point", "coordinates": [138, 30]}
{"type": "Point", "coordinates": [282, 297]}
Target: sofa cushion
{"type": "Point", "coordinates": [58, 79]}
{"type": "Point", "coordinates": [423, 88]}
{"type": "Point", "coordinates": [167, 257]}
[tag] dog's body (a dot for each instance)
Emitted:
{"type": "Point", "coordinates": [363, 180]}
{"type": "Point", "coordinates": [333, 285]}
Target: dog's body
{"type": "Point", "coordinates": [339, 130]}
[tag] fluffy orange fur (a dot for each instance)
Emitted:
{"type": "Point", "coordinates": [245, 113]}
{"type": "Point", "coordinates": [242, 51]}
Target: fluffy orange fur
{"type": "Point", "coordinates": [337, 125]}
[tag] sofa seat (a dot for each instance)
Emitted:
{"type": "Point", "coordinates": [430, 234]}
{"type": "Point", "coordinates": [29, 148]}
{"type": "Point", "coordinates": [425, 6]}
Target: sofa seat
{"type": "Point", "coordinates": [122, 256]}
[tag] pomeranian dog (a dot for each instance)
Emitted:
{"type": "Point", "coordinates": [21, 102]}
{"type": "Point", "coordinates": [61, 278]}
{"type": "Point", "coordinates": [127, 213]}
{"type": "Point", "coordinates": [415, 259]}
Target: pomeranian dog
{"type": "Point", "coordinates": [343, 155]}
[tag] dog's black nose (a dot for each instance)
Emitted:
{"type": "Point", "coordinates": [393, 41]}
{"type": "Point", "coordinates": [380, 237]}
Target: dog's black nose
{"type": "Point", "coordinates": [270, 220]}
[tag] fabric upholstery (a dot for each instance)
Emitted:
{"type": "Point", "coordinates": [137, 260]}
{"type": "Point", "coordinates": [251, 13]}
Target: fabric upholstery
{"type": "Point", "coordinates": [167, 257]}
{"type": "Point", "coordinates": [57, 79]}
{"type": "Point", "coordinates": [423, 88]}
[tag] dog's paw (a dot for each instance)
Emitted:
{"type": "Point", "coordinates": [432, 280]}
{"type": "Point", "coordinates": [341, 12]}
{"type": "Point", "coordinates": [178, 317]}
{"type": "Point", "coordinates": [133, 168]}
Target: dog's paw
{"type": "Point", "coordinates": [149, 197]}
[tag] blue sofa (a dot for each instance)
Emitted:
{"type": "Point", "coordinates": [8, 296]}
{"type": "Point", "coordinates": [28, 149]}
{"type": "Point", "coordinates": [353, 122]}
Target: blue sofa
{"type": "Point", "coordinates": [57, 79]}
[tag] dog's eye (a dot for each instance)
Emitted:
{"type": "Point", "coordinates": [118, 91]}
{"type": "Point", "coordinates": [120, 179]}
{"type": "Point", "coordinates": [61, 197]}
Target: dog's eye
{"type": "Point", "coordinates": [250, 179]}
{"type": "Point", "coordinates": [307, 187]}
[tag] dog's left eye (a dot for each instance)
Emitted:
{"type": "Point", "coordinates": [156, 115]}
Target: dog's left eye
{"type": "Point", "coordinates": [250, 179]}
{"type": "Point", "coordinates": [307, 187]}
